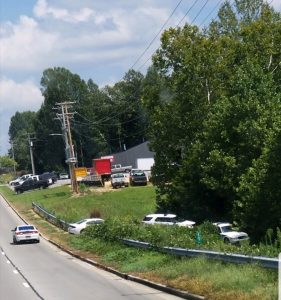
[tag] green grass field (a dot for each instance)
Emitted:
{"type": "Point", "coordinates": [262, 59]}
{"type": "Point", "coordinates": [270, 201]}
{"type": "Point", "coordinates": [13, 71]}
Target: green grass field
{"type": "Point", "coordinates": [213, 279]}
{"type": "Point", "coordinates": [132, 201]}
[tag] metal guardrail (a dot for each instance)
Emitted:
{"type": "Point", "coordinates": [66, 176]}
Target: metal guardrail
{"type": "Point", "coordinates": [266, 262]}
{"type": "Point", "coordinates": [49, 217]}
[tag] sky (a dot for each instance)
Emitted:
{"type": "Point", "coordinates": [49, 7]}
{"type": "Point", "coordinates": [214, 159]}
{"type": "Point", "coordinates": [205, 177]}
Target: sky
{"type": "Point", "coordinates": [96, 39]}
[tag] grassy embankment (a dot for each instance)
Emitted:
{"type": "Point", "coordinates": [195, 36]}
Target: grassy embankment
{"type": "Point", "coordinates": [215, 280]}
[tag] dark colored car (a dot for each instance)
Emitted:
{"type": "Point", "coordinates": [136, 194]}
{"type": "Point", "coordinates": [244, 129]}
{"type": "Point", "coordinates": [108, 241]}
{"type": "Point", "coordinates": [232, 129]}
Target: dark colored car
{"type": "Point", "coordinates": [31, 184]}
{"type": "Point", "coordinates": [50, 176]}
{"type": "Point", "coordinates": [137, 177]}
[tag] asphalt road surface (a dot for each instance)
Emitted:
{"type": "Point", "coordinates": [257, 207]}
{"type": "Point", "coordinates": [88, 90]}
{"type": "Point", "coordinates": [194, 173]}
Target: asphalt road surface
{"type": "Point", "coordinates": [42, 271]}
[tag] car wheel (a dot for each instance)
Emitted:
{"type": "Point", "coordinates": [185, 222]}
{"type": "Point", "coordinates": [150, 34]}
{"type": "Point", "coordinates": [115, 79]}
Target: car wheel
{"type": "Point", "coordinates": [15, 241]}
{"type": "Point", "coordinates": [226, 240]}
{"type": "Point", "coordinates": [81, 231]}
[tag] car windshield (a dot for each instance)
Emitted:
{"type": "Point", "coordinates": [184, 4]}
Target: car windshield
{"type": "Point", "coordinates": [138, 173]}
{"type": "Point", "coordinates": [226, 229]}
{"type": "Point", "coordinates": [82, 221]}
{"type": "Point", "coordinates": [24, 228]}
{"type": "Point", "coordinates": [119, 175]}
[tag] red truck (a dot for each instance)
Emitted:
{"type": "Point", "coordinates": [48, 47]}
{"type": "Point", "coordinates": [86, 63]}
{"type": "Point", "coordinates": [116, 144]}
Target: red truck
{"type": "Point", "coordinates": [102, 167]}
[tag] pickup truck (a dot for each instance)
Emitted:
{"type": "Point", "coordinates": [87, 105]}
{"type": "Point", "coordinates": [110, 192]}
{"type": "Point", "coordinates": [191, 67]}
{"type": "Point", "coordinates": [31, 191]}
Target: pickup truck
{"type": "Point", "coordinates": [31, 184]}
{"type": "Point", "coordinates": [119, 180]}
{"type": "Point", "coordinates": [120, 169]}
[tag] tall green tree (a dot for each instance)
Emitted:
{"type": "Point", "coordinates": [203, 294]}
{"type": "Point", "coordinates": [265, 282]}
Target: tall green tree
{"type": "Point", "coordinates": [7, 162]}
{"type": "Point", "coordinates": [222, 83]}
{"type": "Point", "coordinates": [58, 85]}
{"type": "Point", "coordinates": [21, 124]}
{"type": "Point", "coordinates": [127, 120]}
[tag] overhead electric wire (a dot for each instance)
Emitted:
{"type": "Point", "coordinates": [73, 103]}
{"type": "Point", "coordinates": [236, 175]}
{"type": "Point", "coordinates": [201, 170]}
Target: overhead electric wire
{"type": "Point", "coordinates": [200, 11]}
{"type": "Point", "coordinates": [152, 41]}
{"type": "Point", "coordinates": [101, 121]}
{"type": "Point", "coordinates": [194, 3]}
{"type": "Point", "coordinates": [187, 12]}
{"type": "Point", "coordinates": [211, 12]}
{"type": "Point", "coordinates": [97, 123]}
{"type": "Point", "coordinates": [190, 8]}
{"type": "Point", "coordinates": [110, 139]}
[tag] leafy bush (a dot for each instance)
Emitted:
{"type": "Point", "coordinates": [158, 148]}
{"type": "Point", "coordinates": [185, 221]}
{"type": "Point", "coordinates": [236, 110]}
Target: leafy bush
{"type": "Point", "coordinates": [114, 229]}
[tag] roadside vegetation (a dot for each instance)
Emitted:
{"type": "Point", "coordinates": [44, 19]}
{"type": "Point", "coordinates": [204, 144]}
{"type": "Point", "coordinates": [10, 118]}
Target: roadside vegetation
{"type": "Point", "coordinates": [123, 210]}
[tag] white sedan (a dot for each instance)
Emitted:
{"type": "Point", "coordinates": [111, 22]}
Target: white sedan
{"type": "Point", "coordinates": [167, 219]}
{"type": "Point", "coordinates": [78, 227]}
{"type": "Point", "coordinates": [229, 235]}
{"type": "Point", "coordinates": [25, 233]}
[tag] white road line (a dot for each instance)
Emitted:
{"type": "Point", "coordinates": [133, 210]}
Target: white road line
{"type": "Point", "coordinates": [8, 262]}
{"type": "Point", "coordinates": [25, 284]}
{"type": "Point", "coordinates": [15, 271]}
{"type": "Point", "coordinates": [3, 253]}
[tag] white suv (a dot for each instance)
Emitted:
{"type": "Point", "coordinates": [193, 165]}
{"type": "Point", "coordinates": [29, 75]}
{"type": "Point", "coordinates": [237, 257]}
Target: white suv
{"type": "Point", "coordinates": [229, 235]}
{"type": "Point", "coordinates": [166, 219]}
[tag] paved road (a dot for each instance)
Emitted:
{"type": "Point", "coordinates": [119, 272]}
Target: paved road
{"type": "Point", "coordinates": [42, 271]}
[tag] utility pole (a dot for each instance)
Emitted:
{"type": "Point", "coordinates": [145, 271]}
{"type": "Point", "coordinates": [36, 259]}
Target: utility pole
{"type": "Point", "coordinates": [71, 160]}
{"type": "Point", "coordinates": [30, 143]}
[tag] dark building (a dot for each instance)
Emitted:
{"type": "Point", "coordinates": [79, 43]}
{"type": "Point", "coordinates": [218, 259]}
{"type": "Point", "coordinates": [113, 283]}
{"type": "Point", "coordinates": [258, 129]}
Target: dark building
{"type": "Point", "coordinates": [138, 157]}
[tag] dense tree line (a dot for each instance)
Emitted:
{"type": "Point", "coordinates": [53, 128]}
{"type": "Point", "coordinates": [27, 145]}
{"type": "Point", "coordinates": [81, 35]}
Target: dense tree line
{"type": "Point", "coordinates": [215, 118]}
{"type": "Point", "coordinates": [105, 120]}
{"type": "Point", "coordinates": [210, 106]}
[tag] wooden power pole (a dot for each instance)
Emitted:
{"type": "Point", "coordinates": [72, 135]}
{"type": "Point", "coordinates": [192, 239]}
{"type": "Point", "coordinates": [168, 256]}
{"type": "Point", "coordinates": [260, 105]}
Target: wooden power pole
{"type": "Point", "coordinates": [71, 160]}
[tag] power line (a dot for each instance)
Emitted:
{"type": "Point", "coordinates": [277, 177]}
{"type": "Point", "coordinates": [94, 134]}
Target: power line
{"type": "Point", "coordinates": [211, 12]}
{"type": "Point", "coordinates": [200, 11]}
{"type": "Point", "coordinates": [152, 41]}
{"type": "Point", "coordinates": [102, 121]}
{"type": "Point", "coordinates": [190, 8]}
{"type": "Point", "coordinates": [96, 123]}
{"type": "Point", "coordinates": [187, 13]}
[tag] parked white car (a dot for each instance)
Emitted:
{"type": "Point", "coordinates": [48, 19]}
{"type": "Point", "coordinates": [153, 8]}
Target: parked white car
{"type": "Point", "coordinates": [14, 181]}
{"type": "Point", "coordinates": [167, 219]}
{"type": "Point", "coordinates": [119, 180]}
{"type": "Point", "coordinates": [78, 227]}
{"type": "Point", "coordinates": [24, 233]}
{"type": "Point", "coordinates": [20, 180]}
{"type": "Point", "coordinates": [63, 176]}
{"type": "Point", "coordinates": [229, 235]}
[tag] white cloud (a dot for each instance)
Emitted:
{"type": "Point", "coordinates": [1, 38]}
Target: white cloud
{"type": "Point", "coordinates": [15, 97]}
{"type": "Point", "coordinates": [42, 9]}
{"type": "Point", "coordinates": [22, 96]}
{"type": "Point", "coordinates": [276, 4]}
{"type": "Point", "coordinates": [24, 46]}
